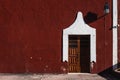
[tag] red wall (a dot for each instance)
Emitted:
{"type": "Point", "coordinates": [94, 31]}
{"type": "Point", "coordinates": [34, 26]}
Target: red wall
{"type": "Point", "coordinates": [31, 33]}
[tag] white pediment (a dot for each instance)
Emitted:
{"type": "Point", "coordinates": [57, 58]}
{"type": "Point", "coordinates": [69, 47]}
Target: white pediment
{"type": "Point", "coordinates": [79, 26]}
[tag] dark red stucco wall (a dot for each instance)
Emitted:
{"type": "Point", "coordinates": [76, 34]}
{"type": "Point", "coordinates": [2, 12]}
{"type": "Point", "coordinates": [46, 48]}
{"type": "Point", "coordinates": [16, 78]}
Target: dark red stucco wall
{"type": "Point", "coordinates": [31, 33]}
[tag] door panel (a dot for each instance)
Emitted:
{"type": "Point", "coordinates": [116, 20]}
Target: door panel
{"type": "Point", "coordinates": [73, 60]}
{"type": "Point", "coordinates": [85, 53]}
{"type": "Point", "coordinates": [79, 53]}
{"type": "Point", "coordinates": [74, 53]}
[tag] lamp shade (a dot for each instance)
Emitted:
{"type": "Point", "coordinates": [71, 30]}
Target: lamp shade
{"type": "Point", "coordinates": [106, 8]}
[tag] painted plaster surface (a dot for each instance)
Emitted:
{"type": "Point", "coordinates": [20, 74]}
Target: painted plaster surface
{"type": "Point", "coordinates": [31, 34]}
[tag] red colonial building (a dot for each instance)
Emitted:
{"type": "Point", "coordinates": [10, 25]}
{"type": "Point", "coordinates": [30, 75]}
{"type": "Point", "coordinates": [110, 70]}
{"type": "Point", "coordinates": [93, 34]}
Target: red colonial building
{"type": "Point", "coordinates": [58, 36]}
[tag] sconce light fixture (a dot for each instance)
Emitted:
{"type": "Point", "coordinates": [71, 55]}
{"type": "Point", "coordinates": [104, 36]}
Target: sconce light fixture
{"type": "Point", "coordinates": [106, 8]}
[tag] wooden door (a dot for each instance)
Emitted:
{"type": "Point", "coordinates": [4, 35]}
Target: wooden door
{"type": "Point", "coordinates": [85, 53]}
{"type": "Point", "coordinates": [74, 53]}
{"type": "Point", "coordinates": [79, 54]}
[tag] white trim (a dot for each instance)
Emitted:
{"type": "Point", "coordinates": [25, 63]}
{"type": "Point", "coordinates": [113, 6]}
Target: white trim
{"type": "Point", "coordinates": [115, 23]}
{"type": "Point", "coordinates": [80, 28]}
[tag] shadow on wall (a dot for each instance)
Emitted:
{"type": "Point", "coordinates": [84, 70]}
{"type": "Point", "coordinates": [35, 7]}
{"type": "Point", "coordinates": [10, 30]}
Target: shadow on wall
{"type": "Point", "coordinates": [91, 17]}
{"type": "Point", "coordinates": [110, 74]}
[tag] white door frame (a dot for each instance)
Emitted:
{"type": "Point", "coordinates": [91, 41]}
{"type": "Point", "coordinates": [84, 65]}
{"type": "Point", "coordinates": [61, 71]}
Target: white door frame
{"type": "Point", "coordinates": [80, 28]}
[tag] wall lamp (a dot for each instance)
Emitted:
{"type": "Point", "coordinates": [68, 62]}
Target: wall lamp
{"type": "Point", "coordinates": [106, 8]}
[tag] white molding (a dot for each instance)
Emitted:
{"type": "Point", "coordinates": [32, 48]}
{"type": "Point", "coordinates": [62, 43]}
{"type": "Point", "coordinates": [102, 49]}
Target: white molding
{"type": "Point", "coordinates": [115, 37]}
{"type": "Point", "coordinates": [80, 28]}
